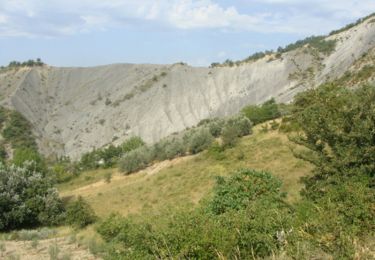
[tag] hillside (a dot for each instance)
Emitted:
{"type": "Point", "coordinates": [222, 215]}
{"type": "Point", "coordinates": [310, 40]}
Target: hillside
{"type": "Point", "coordinates": [185, 181]}
{"type": "Point", "coordinates": [74, 110]}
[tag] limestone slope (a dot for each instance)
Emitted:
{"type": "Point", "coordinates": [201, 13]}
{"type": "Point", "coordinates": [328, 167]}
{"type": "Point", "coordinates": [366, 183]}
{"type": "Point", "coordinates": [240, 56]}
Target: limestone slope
{"type": "Point", "coordinates": [74, 110]}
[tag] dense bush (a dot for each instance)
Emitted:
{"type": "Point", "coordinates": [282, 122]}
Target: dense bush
{"type": "Point", "coordinates": [136, 160]}
{"type": "Point", "coordinates": [244, 187]}
{"type": "Point", "coordinates": [27, 198]}
{"type": "Point", "coordinates": [198, 140]}
{"type": "Point", "coordinates": [79, 213]}
{"type": "Point", "coordinates": [259, 114]}
{"type": "Point", "coordinates": [215, 127]}
{"type": "Point", "coordinates": [168, 149]}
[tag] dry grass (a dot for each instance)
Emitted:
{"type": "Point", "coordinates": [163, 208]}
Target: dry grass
{"type": "Point", "coordinates": [183, 182]}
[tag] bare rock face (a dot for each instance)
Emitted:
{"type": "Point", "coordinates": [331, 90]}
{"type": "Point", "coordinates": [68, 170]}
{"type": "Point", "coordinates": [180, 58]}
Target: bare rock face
{"type": "Point", "coordinates": [74, 110]}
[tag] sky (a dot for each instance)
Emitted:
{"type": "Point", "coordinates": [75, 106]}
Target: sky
{"type": "Point", "coordinates": [199, 32]}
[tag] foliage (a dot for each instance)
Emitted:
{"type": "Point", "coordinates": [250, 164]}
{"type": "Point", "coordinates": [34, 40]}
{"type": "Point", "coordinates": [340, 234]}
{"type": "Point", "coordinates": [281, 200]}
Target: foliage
{"type": "Point", "coordinates": [79, 213]}
{"type": "Point", "coordinates": [30, 63]}
{"type": "Point", "coordinates": [168, 149]}
{"type": "Point", "coordinates": [198, 140]}
{"type": "Point", "coordinates": [18, 131]}
{"type": "Point", "coordinates": [259, 114]}
{"type": "Point", "coordinates": [29, 155]}
{"type": "Point", "coordinates": [338, 138]}
{"type": "Point", "coordinates": [64, 170]}
{"type": "Point", "coordinates": [109, 156]}
{"type": "Point", "coordinates": [245, 186]}
{"type": "Point", "coordinates": [319, 43]}
{"type": "Point", "coordinates": [215, 127]}
{"type": "Point", "coordinates": [132, 144]}
{"type": "Point", "coordinates": [136, 160]}
{"type": "Point", "coordinates": [27, 198]}
{"type": "Point", "coordinates": [230, 135]}
{"type": "Point", "coordinates": [337, 125]}
{"type": "Point", "coordinates": [198, 234]}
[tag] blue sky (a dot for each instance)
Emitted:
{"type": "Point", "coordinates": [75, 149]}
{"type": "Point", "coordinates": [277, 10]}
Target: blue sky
{"type": "Point", "coordinates": [95, 32]}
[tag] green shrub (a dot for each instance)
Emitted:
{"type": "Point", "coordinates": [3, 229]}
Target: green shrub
{"type": "Point", "coordinates": [244, 187]}
{"type": "Point", "coordinates": [136, 160]}
{"type": "Point", "coordinates": [27, 198]}
{"type": "Point", "coordinates": [199, 140]}
{"type": "Point", "coordinates": [168, 149]}
{"type": "Point", "coordinates": [242, 124]}
{"type": "Point", "coordinates": [216, 151]}
{"type": "Point", "coordinates": [234, 128]}
{"type": "Point", "coordinates": [132, 144]}
{"type": "Point", "coordinates": [337, 125]}
{"type": "Point", "coordinates": [79, 213]}
{"type": "Point", "coordinates": [259, 114]}
{"type": "Point", "coordinates": [215, 127]}
{"type": "Point", "coordinates": [229, 135]}
{"type": "Point", "coordinates": [21, 156]}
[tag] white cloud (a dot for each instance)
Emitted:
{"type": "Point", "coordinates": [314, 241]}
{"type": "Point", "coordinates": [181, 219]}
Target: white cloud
{"type": "Point", "coordinates": [60, 17]}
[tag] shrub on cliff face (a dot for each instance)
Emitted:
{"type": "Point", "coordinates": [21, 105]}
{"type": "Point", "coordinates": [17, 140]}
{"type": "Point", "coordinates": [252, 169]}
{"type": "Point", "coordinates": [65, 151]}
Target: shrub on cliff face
{"type": "Point", "coordinates": [27, 198]}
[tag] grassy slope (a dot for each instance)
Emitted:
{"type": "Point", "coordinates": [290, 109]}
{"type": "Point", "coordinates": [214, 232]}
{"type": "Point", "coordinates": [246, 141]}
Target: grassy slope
{"type": "Point", "coordinates": [185, 181]}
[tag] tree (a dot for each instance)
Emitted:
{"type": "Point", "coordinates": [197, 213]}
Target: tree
{"type": "Point", "coordinates": [27, 198]}
{"type": "Point", "coordinates": [338, 134]}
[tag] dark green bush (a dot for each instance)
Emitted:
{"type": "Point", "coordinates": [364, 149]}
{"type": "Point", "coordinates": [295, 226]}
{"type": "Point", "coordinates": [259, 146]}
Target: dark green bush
{"type": "Point", "coordinates": [244, 187]}
{"type": "Point", "coordinates": [27, 198]}
{"type": "Point", "coordinates": [79, 213]}
{"type": "Point", "coordinates": [338, 134]}
{"type": "Point", "coordinates": [259, 114]}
